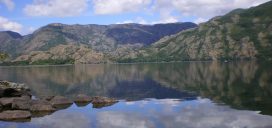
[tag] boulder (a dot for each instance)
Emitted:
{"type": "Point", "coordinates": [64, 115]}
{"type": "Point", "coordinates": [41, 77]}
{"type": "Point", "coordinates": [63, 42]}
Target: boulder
{"type": "Point", "coordinates": [60, 102]}
{"type": "Point", "coordinates": [103, 100]}
{"type": "Point", "coordinates": [6, 102]}
{"type": "Point", "coordinates": [41, 106]}
{"type": "Point", "coordinates": [22, 103]}
{"type": "Point", "coordinates": [17, 86]}
{"type": "Point", "coordinates": [102, 105]}
{"type": "Point", "coordinates": [9, 89]}
{"type": "Point", "coordinates": [14, 115]}
{"type": "Point", "coordinates": [47, 98]}
{"type": "Point", "coordinates": [11, 92]}
{"type": "Point", "coordinates": [99, 102]}
{"type": "Point", "coordinates": [81, 98]}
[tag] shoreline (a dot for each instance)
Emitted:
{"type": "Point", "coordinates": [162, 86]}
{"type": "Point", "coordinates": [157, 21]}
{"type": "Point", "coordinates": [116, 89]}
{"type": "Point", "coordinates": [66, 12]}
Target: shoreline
{"type": "Point", "coordinates": [187, 61]}
{"type": "Point", "coordinates": [18, 103]}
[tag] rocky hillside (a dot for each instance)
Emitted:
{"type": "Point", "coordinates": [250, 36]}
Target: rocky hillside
{"type": "Point", "coordinates": [112, 41]}
{"type": "Point", "coordinates": [9, 41]}
{"type": "Point", "coordinates": [63, 54]}
{"type": "Point", "coordinates": [240, 34]}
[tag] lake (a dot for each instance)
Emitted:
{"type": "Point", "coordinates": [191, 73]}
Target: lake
{"type": "Point", "coordinates": [155, 95]}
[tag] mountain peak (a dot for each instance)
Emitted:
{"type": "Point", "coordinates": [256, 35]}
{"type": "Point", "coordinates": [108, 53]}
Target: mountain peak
{"type": "Point", "coordinates": [12, 34]}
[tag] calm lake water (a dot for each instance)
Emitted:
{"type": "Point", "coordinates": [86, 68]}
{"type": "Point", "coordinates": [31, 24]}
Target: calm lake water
{"type": "Point", "coordinates": [172, 95]}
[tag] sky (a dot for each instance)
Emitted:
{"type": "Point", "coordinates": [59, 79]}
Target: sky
{"type": "Point", "coordinates": [25, 16]}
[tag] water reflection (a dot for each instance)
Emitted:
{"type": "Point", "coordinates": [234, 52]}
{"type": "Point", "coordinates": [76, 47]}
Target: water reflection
{"type": "Point", "coordinates": [164, 113]}
{"type": "Point", "coordinates": [242, 85]}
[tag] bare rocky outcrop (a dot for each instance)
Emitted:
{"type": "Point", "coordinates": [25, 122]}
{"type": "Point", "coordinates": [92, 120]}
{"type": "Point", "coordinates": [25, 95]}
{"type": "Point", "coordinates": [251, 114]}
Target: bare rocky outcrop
{"type": "Point", "coordinates": [41, 106]}
{"type": "Point", "coordinates": [14, 115]}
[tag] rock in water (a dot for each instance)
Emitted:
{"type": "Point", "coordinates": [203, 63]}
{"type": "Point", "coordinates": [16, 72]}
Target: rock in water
{"type": "Point", "coordinates": [41, 106]}
{"type": "Point", "coordinates": [99, 102]}
{"type": "Point", "coordinates": [17, 86]}
{"type": "Point", "coordinates": [81, 98]}
{"type": "Point", "coordinates": [9, 89]}
{"type": "Point", "coordinates": [60, 102]}
{"type": "Point", "coordinates": [6, 102]}
{"type": "Point", "coordinates": [47, 98]}
{"type": "Point", "coordinates": [22, 103]}
{"type": "Point", "coordinates": [14, 115]}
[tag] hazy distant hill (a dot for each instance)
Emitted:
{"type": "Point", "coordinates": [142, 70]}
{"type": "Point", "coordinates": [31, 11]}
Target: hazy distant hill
{"type": "Point", "coordinates": [240, 34]}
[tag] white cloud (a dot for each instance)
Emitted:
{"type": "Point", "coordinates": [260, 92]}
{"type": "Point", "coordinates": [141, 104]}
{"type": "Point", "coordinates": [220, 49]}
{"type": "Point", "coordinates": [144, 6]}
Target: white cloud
{"type": "Point", "coordinates": [169, 19]}
{"type": "Point", "coordinates": [56, 8]}
{"type": "Point", "coordinates": [9, 3]}
{"type": "Point", "coordinates": [200, 20]}
{"type": "Point", "coordinates": [200, 113]}
{"type": "Point", "coordinates": [28, 30]}
{"type": "Point", "coordinates": [206, 9]}
{"type": "Point", "coordinates": [6, 24]}
{"type": "Point", "coordinates": [111, 119]}
{"type": "Point", "coordinates": [119, 6]}
{"type": "Point", "coordinates": [172, 10]}
{"type": "Point", "coordinates": [138, 20]}
{"type": "Point", "coordinates": [63, 119]}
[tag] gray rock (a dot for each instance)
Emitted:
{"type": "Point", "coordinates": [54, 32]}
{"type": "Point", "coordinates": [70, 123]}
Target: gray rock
{"type": "Point", "coordinates": [9, 92]}
{"type": "Point", "coordinates": [22, 103]}
{"type": "Point", "coordinates": [41, 106]}
{"type": "Point", "coordinates": [103, 100]}
{"type": "Point", "coordinates": [81, 98]}
{"type": "Point", "coordinates": [14, 115]}
{"type": "Point", "coordinates": [99, 102]}
{"type": "Point", "coordinates": [9, 89]}
{"type": "Point", "coordinates": [47, 98]}
{"type": "Point", "coordinates": [60, 102]}
{"type": "Point", "coordinates": [17, 86]}
{"type": "Point", "coordinates": [6, 102]}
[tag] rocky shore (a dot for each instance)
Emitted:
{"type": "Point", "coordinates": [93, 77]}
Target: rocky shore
{"type": "Point", "coordinates": [18, 104]}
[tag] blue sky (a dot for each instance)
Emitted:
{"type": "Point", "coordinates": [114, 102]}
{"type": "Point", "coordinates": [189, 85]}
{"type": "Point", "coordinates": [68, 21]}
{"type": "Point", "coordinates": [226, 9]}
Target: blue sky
{"type": "Point", "coordinates": [25, 16]}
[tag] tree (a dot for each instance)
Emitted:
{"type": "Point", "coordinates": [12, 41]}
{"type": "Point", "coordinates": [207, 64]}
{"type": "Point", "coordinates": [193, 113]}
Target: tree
{"type": "Point", "coordinates": [3, 56]}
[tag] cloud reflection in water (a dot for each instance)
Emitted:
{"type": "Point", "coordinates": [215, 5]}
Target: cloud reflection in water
{"type": "Point", "coordinates": [151, 113]}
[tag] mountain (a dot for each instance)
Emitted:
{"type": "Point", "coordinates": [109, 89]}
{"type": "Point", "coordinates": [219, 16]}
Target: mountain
{"type": "Point", "coordinates": [240, 34]}
{"type": "Point", "coordinates": [112, 41]}
{"type": "Point", "coordinates": [9, 41]}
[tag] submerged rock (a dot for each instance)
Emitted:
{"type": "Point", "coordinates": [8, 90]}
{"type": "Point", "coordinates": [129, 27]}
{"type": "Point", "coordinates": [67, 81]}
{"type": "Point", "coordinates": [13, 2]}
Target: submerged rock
{"type": "Point", "coordinates": [41, 108]}
{"type": "Point", "coordinates": [99, 102]}
{"type": "Point", "coordinates": [102, 100]}
{"type": "Point", "coordinates": [103, 105]}
{"type": "Point", "coordinates": [14, 115]}
{"type": "Point", "coordinates": [60, 102]}
{"type": "Point", "coordinates": [81, 98]}
{"type": "Point", "coordinates": [16, 103]}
